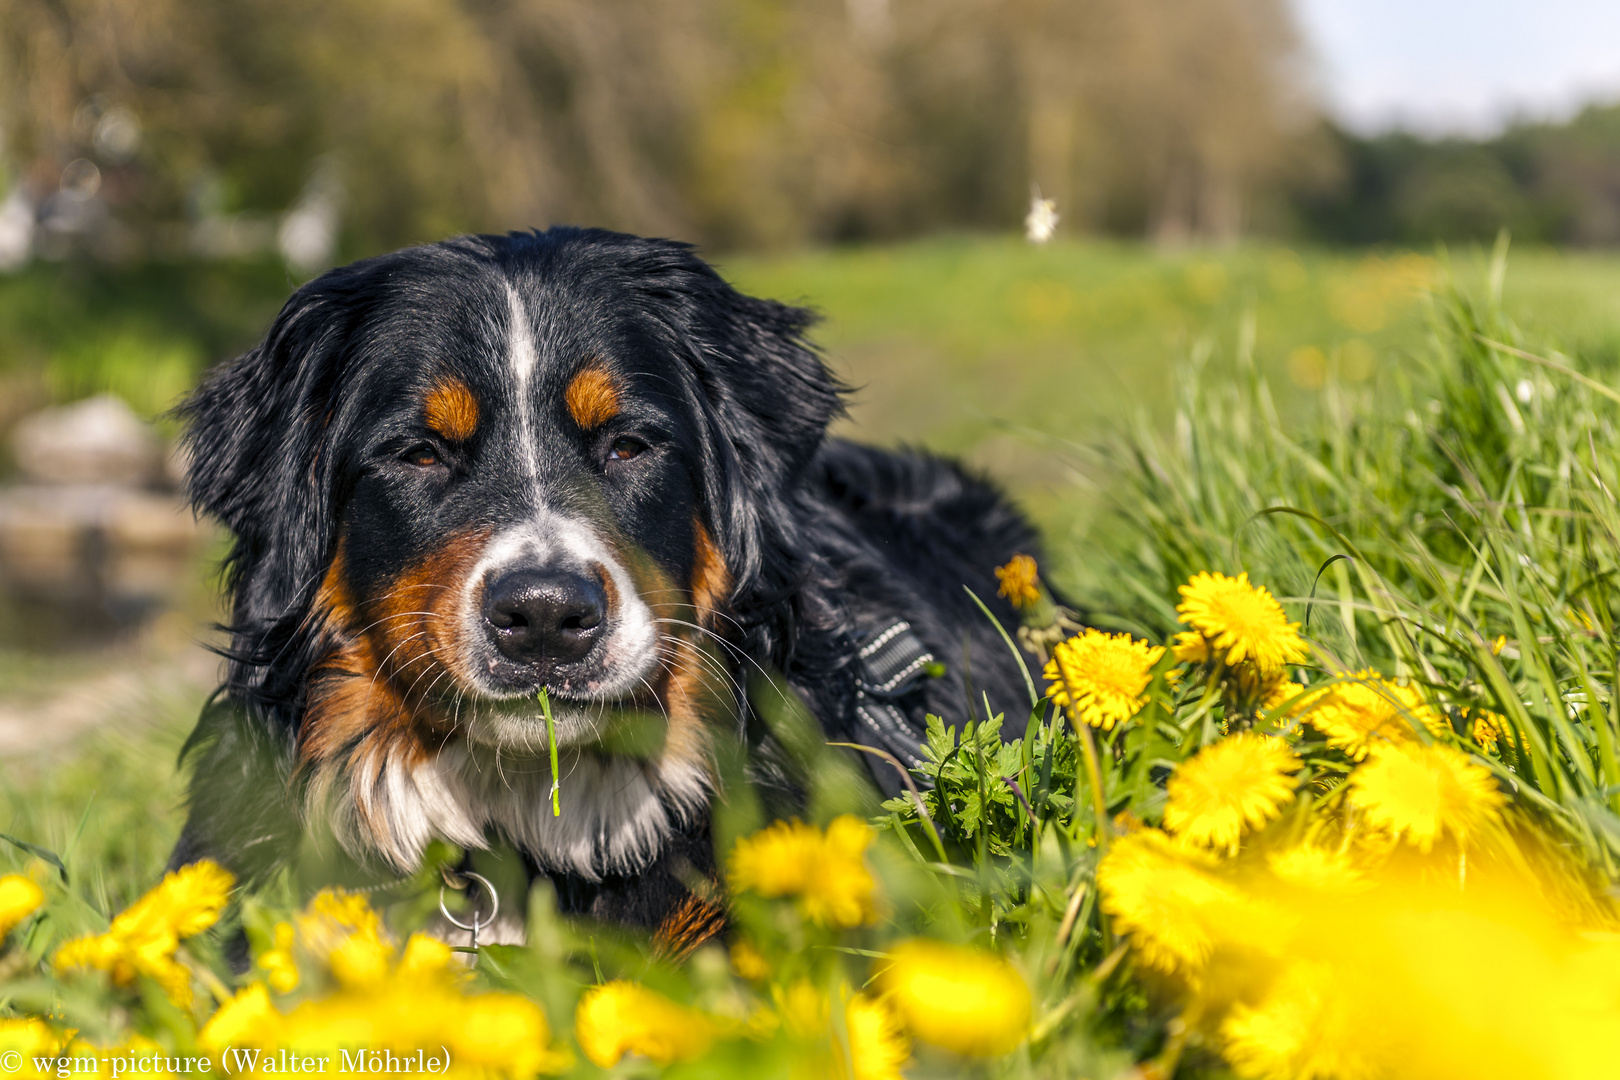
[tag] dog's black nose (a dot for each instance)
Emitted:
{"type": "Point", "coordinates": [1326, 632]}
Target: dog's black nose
{"type": "Point", "coordinates": [536, 615]}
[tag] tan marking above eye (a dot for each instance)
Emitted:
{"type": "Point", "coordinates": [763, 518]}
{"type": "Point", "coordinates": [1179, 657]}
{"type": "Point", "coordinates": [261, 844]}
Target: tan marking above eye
{"type": "Point", "coordinates": [451, 410]}
{"type": "Point", "coordinates": [592, 398]}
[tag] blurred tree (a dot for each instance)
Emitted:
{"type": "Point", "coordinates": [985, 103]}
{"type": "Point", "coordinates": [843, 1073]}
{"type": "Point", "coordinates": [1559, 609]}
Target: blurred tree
{"type": "Point", "coordinates": [1555, 183]}
{"type": "Point", "coordinates": [734, 122]}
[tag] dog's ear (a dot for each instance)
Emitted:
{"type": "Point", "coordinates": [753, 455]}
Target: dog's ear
{"type": "Point", "coordinates": [258, 437]}
{"type": "Point", "coordinates": [764, 395]}
{"type": "Point", "coordinates": [774, 398]}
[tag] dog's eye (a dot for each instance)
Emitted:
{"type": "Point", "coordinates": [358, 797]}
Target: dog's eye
{"type": "Point", "coordinates": [624, 448]}
{"type": "Point", "coordinates": [423, 456]}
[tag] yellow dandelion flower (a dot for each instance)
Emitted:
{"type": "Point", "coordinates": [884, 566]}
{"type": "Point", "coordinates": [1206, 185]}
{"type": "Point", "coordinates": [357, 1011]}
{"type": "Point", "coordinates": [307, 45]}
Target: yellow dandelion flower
{"type": "Point", "coordinates": [143, 938]}
{"type": "Point", "coordinates": [20, 897]}
{"type": "Point", "coordinates": [277, 961]}
{"type": "Point", "coordinates": [1240, 782]}
{"type": "Point", "coordinates": [966, 1000]}
{"type": "Point", "coordinates": [1240, 621]}
{"type": "Point", "coordinates": [1280, 693]}
{"type": "Point", "coordinates": [1249, 690]}
{"type": "Point", "coordinates": [802, 1009]}
{"type": "Point", "coordinates": [1100, 678]}
{"type": "Point", "coordinates": [1304, 1027]}
{"type": "Point", "coordinates": [1318, 869]}
{"type": "Point", "coordinates": [620, 1018]}
{"type": "Point", "coordinates": [427, 960]}
{"type": "Point", "coordinates": [1163, 895]}
{"type": "Point", "coordinates": [1371, 711]}
{"type": "Point", "coordinates": [247, 1019]}
{"type": "Point", "coordinates": [1419, 792]}
{"type": "Point", "coordinates": [878, 1047]}
{"type": "Point", "coordinates": [1489, 730]}
{"type": "Point", "coordinates": [748, 962]}
{"type": "Point", "coordinates": [420, 1004]}
{"type": "Point", "coordinates": [187, 901]}
{"type": "Point", "coordinates": [27, 1037]}
{"type": "Point", "coordinates": [826, 871]}
{"type": "Point", "coordinates": [335, 915]}
{"type": "Point", "coordinates": [1020, 582]}
{"type": "Point", "coordinates": [361, 960]}
{"type": "Point", "coordinates": [1191, 648]}
{"type": "Point", "coordinates": [505, 1033]}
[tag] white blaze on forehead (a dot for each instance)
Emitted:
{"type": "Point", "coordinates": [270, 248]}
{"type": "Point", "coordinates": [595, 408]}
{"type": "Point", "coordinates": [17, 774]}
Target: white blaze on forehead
{"type": "Point", "coordinates": [521, 357]}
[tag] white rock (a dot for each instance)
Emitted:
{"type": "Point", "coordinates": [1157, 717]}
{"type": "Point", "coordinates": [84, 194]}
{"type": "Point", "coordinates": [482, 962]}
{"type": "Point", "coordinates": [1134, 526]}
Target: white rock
{"type": "Point", "coordinates": [95, 441]}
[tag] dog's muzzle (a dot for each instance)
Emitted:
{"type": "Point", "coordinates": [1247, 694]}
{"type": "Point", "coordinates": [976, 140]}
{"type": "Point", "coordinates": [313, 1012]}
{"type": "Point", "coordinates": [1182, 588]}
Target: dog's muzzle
{"type": "Point", "coordinates": [544, 618]}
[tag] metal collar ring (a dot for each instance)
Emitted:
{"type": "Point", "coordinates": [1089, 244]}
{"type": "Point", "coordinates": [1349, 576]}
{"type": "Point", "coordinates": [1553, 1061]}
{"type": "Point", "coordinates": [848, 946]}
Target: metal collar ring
{"type": "Point", "coordinates": [477, 924]}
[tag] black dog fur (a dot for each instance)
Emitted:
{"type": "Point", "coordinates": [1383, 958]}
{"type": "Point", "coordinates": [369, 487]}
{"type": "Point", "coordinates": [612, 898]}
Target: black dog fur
{"type": "Point", "coordinates": [297, 447]}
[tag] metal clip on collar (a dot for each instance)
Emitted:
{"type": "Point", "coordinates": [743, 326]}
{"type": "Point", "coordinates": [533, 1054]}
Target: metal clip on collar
{"type": "Point", "coordinates": [462, 880]}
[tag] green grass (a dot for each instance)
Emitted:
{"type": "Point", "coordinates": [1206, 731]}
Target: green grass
{"type": "Point", "coordinates": [145, 333]}
{"type": "Point", "coordinates": [1021, 359]}
{"type": "Point", "coordinates": [953, 341]}
{"type": "Point", "coordinates": [1415, 500]}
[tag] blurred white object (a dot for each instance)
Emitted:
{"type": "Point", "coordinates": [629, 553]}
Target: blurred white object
{"type": "Point", "coordinates": [1041, 221]}
{"type": "Point", "coordinates": [16, 229]}
{"type": "Point", "coordinates": [308, 235]}
{"type": "Point", "coordinates": [117, 134]}
{"type": "Point", "coordinates": [81, 179]}
{"type": "Point", "coordinates": [871, 20]}
{"type": "Point", "coordinates": [95, 441]}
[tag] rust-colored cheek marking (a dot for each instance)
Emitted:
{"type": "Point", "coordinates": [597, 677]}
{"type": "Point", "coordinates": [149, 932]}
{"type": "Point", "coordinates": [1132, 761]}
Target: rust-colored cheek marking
{"type": "Point", "coordinates": [695, 690]}
{"type": "Point", "coordinates": [346, 693]}
{"type": "Point", "coordinates": [592, 398]}
{"type": "Point", "coordinates": [451, 410]}
{"type": "Point", "coordinates": [711, 580]}
{"type": "Point", "coordinates": [373, 691]}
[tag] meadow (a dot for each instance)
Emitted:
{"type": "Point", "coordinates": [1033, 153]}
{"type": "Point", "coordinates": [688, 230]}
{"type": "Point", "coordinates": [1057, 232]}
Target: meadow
{"type": "Point", "coordinates": [1224, 842]}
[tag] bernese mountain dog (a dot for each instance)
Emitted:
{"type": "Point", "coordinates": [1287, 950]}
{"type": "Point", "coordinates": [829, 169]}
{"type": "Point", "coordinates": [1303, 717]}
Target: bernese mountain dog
{"type": "Point", "coordinates": [573, 460]}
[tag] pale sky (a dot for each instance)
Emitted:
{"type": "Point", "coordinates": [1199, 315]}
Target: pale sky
{"type": "Point", "coordinates": [1461, 65]}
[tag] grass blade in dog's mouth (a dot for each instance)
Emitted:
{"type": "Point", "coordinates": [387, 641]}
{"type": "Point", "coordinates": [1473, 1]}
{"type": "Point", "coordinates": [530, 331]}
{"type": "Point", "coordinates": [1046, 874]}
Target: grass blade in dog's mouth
{"type": "Point", "coordinates": [551, 749]}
